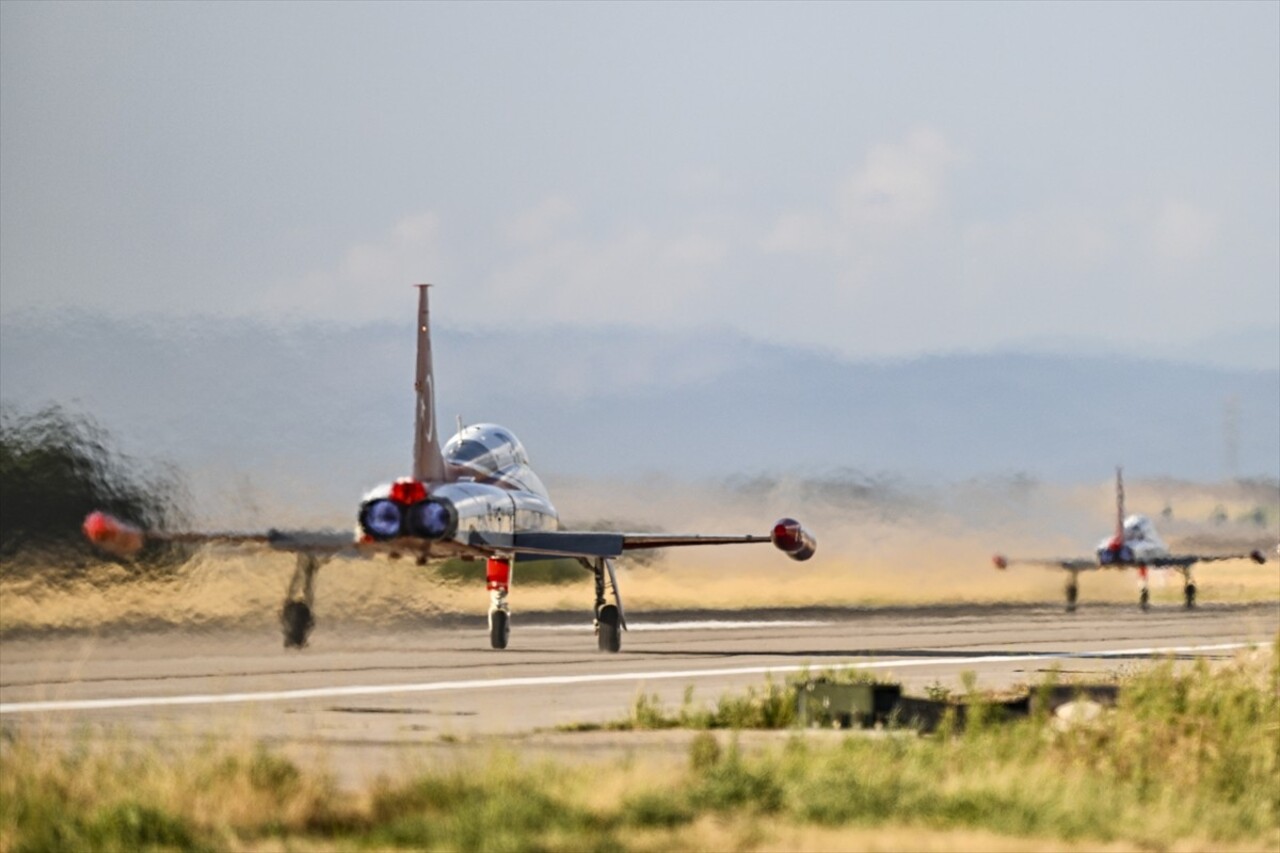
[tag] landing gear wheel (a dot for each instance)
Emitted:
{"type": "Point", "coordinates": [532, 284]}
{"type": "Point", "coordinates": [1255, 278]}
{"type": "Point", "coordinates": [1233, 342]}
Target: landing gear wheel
{"type": "Point", "coordinates": [608, 629]}
{"type": "Point", "coordinates": [1144, 600]}
{"type": "Point", "coordinates": [1072, 592]}
{"type": "Point", "coordinates": [297, 621]}
{"type": "Point", "coordinates": [499, 629]}
{"type": "Point", "coordinates": [1189, 592]}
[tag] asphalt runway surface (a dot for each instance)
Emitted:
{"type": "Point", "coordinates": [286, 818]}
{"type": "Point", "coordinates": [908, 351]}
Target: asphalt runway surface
{"type": "Point", "coordinates": [368, 696]}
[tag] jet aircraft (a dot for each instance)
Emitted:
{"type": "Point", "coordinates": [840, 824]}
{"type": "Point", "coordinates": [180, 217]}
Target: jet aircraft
{"type": "Point", "coordinates": [1135, 544]}
{"type": "Point", "coordinates": [478, 498]}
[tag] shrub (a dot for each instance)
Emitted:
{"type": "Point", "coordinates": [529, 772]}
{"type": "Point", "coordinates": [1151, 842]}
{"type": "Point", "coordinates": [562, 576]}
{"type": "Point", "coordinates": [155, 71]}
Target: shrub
{"type": "Point", "coordinates": [55, 468]}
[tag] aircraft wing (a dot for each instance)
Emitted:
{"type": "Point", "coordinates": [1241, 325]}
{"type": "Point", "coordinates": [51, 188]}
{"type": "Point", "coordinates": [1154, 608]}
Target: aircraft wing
{"type": "Point", "coordinates": [589, 544]}
{"type": "Point", "coordinates": [788, 536]}
{"type": "Point", "coordinates": [1182, 561]}
{"type": "Point", "coordinates": [1072, 564]}
{"type": "Point", "coordinates": [123, 539]}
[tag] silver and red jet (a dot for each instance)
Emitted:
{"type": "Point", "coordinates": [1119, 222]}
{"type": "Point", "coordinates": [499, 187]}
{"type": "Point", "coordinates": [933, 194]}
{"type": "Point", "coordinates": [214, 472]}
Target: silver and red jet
{"type": "Point", "coordinates": [1134, 545]}
{"type": "Point", "coordinates": [476, 499]}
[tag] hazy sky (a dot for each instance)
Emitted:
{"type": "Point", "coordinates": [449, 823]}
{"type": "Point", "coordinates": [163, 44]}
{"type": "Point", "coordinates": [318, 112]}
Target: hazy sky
{"type": "Point", "coordinates": [877, 179]}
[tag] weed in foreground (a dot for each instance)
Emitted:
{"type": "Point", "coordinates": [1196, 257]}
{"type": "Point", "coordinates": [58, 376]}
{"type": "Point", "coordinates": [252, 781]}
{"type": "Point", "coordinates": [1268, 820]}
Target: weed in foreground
{"type": "Point", "coordinates": [772, 706]}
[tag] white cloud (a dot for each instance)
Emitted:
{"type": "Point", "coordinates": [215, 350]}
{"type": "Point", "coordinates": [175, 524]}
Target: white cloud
{"type": "Point", "coordinates": [694, 250]}
{"type": "Point", "coordinates": [1070, 240]}
{"type": "Point", "coordinates": [802, 233]}
{"type": "Point", "coordinates": [543, 222]}
{"type": "Point", "coordinates": [1181, 233]}
{"type": "Point", "coordinates": [887, 268]}
{"type": "Point", "coordinates": [369, 280]}
{"type": "Point", "coordinates": [899, 188]}
{"type": "Point", "coordinates": [635, 276]}
{"type": "Point", "coordinates": [901, 184]}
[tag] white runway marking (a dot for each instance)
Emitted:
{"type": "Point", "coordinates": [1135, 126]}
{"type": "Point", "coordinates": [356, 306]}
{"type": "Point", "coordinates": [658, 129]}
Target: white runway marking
{"type": "Point", "coordinates": [707, 625]}
{"type": "Point", "coordinates": [560, 680]}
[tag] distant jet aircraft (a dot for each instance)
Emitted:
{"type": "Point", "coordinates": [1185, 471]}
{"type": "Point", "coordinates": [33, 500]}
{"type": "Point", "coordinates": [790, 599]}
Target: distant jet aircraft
{"type": "Point", "coordinates": [1135, 544]}
{"type": "Point", "coordinates": [478, 499]}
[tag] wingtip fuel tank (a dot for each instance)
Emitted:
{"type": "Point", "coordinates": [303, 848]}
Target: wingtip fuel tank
{"type": "Point", "coordinates": [791, 538]}
{"type": "Point", "coordinates": [113, 535]}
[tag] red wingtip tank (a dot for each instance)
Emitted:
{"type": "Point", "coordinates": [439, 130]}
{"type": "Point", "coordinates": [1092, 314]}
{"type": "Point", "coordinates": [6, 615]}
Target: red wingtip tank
{"type": "Point", "coordinates": [1000, 561]}
{"type": "Point", "coordinates": [790, 537]}
{"type": "Point", "coordinates": [113, 535]}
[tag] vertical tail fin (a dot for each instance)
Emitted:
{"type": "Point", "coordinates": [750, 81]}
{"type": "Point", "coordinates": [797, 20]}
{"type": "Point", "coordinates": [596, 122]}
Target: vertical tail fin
{"type": "Point", "coordinates": [428, 464]}
{"type": "Point", "coordinates": [1119, 502]}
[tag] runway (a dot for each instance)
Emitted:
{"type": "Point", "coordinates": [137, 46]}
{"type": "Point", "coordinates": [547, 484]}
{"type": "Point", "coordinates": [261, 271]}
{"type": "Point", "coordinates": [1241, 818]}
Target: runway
{"type": "Point", "coordinates": [369, 692]}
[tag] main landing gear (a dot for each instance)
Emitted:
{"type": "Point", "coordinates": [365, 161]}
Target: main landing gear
{"type": "Point", "coordinates": [1144, 597]}
{"type": "Point", "coordinates": [1073, 592]}
{"type": "Point", "coordinates": [609, 621]}
{"type": "Point", "coordinates": [1188, 589]}
{"type": "Point", "coordinates": [296, 615]}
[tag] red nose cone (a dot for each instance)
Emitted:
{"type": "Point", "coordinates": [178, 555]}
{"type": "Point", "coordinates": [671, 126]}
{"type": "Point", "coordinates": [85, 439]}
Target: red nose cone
{"type": "Point", "coordinates": [1000, 561]}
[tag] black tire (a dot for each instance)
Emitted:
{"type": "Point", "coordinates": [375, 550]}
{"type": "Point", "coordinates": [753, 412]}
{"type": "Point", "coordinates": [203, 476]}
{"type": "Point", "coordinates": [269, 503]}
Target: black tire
{"type": "Point", "coordinates": [1144, 600]}
{"type": "Point", "coordinates": [499, 629]}
{"type": "Point", "coordinates": [1073, 592]}
{"type": "Point", "coordinates": [296, 620]}
{"type": "Point", "coordinates": [609, 637]}
{"type": "Point", "coordinates": [1189, 593]}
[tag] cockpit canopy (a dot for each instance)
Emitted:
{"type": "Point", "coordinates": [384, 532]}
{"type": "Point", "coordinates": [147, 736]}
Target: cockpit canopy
{"type": "Point", "coordinates": [488, 453]}
{"type": "Point", "coordinates": [484, 449]}
{"type": "Point", "coordinates": [1138, 528]}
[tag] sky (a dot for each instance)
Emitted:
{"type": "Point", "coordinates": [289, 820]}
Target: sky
{"type": "Point", "coordinates": [872, 180]}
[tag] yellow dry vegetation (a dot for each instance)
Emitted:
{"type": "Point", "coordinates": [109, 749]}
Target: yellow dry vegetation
{"type": "Point", "coordinates": [865, 558]}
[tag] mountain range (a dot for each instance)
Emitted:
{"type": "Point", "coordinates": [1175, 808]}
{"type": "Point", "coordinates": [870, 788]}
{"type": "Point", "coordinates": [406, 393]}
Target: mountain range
{"type": "Point", "coordinates": [317, 411]}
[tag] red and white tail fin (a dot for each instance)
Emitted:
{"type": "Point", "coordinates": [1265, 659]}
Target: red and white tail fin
{"type": "Point", "coordinates": [1119, 504]}
{"type": "Point", "coordinates": [428, 464]}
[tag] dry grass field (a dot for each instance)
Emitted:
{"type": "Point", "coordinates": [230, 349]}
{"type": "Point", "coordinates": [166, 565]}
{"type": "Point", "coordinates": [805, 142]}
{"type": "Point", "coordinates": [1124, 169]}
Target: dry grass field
{"type": "Point", "coordinates": [869, 555]}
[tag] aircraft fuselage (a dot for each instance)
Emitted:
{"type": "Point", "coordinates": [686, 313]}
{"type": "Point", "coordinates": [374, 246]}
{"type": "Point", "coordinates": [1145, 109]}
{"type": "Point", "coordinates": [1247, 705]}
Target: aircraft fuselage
{"type": "Point", "coordinates": [1137, 545]}
{"type": "Point", "coordinates": [490, 489]}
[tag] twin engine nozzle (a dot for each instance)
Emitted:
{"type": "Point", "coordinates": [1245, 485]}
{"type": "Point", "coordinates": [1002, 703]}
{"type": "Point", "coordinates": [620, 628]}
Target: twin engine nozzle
{"type": "Point", "coordinates": [1115, 554]}
{"type": "Point", "coordinates": [383, 519]}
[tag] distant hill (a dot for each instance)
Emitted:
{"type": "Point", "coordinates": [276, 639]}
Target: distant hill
{"type": "Point", "coordinates": [323, 410]}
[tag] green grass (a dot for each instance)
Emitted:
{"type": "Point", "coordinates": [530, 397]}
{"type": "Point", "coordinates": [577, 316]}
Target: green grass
{"type": "Point", "coordinates": [1188, 757]}
{"type": "Point", "coordinates": [771, 706]}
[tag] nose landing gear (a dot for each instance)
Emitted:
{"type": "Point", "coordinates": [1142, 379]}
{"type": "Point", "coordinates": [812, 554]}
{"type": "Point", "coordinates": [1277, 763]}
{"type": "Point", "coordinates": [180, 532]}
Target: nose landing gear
{"type": "Point", "coordinates": [499, 581]}
{"type": "Point", "coordinates": [499, 628]}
